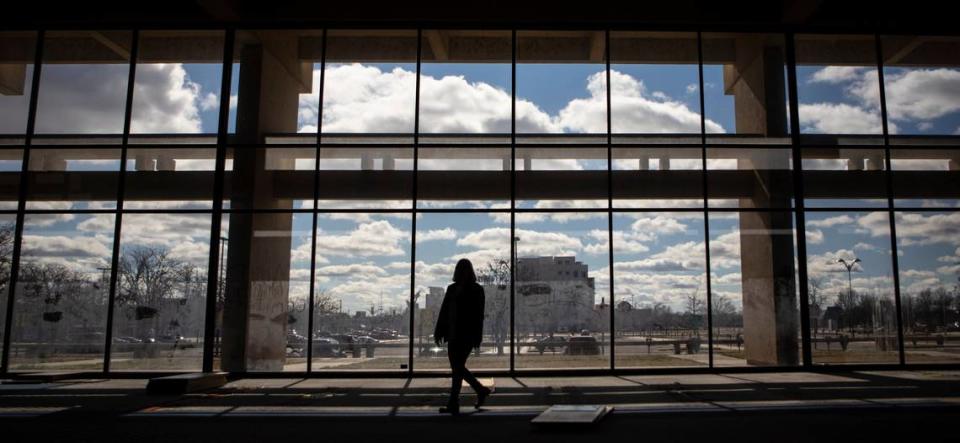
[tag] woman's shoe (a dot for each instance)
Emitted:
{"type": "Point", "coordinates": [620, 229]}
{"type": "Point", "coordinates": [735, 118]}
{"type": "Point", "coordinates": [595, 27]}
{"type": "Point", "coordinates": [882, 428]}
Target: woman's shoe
{"type": "Point", "coordinates": [482, 397]}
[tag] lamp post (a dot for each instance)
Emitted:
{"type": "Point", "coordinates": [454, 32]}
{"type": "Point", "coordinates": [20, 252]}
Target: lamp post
{"type": "Point", "coordinates": [849, 267]}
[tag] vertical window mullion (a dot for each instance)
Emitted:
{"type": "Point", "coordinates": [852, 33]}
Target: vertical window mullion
{"type": "Point", "coordinates": [891, 210]}
{"type": "Point", "coordinates": [513, 193]}
{"type": "Point", "coordinates": [316, 196]}
{"type": "Point", "coordinates": [121, 185]}
{"type": "Point", "coordinates": [413, 207]}
{"type": "Point", "coordinates": [612, 326]}
{"type": "Point", "coordinates": [216, 222]}
{"type": "Point", "coordinates": [706, 215]}
{"type": "Point", "coordinates": [799, 214]}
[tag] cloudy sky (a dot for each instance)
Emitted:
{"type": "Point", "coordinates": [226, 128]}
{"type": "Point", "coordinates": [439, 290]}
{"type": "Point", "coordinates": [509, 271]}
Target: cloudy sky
{"type": "Point", "coordinates": [361, 258]}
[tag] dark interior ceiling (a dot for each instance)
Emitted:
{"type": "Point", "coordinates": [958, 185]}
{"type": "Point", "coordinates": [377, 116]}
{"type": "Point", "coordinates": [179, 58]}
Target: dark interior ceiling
{"type": "Point", "coordinates": [850, 15]}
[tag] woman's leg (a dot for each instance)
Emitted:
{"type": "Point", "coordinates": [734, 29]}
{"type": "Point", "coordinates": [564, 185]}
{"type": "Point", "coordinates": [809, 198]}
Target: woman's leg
{"type": "Point", "coordinates": [457, 369]}
{"type": "Point", "coordinates": [468, 376]}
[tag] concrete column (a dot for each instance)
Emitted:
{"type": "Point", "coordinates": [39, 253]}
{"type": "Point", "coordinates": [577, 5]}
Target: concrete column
{"type": "Point", "coordinates": [527, 164]}
{"type": "Point", "coordinates": [143, 162]}
{"type": "Point", "coordinates": [258, 257]}
{"type": "Point", "coordinates": [366, 162]}
{"type": "Point", "coordinates": [643, 163]}
{"type": "Point", "coordinates": [770, 319]}
{"type": "Point", "coordinates": [389, 163]}
{"type": "Point", "coordinates": [166, 163]}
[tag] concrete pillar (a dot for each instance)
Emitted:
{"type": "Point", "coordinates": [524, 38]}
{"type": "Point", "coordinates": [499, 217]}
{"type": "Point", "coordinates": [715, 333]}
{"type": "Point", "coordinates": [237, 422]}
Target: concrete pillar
{"type": "Point", "coordinates": [643, 163]}
{"type": "Point", "coordinates": [389, 163]}
{"type": "Point", "coordinates": [166, 163]}
{"type": "Point", "coordinates": [664, 164]}
{"type": "Point", "coordinates": [770, 319]}
{"type": "Point", "coordinates": [143, 162]}
{"type": "Point", "coordinates": [258, 259]}
{"type": "Point", "coordinates": [527, 164]}
{"type": "Point", "coordinates": [366, 162]}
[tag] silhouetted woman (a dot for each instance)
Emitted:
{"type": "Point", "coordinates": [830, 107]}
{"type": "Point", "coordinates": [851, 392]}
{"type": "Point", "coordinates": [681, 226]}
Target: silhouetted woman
{"type": "Point", "coordinates": [460, 325]}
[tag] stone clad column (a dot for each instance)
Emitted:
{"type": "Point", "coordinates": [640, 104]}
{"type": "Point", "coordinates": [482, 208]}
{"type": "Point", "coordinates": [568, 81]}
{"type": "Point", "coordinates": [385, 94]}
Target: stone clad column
{"type": "Point", "coordinates": [770, 318]}
{"type": "Point", "coordinates": [258, 250]}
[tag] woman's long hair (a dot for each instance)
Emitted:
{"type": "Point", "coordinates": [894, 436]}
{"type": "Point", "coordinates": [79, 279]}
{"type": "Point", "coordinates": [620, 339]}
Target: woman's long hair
{"type": "Point", "coordinates": [463, 273]}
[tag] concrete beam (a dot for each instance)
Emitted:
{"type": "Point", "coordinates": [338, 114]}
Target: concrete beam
{"type": "Point", "coordinates": [437, 44]}
{"type": "Point", "coordinates": [13, 78]}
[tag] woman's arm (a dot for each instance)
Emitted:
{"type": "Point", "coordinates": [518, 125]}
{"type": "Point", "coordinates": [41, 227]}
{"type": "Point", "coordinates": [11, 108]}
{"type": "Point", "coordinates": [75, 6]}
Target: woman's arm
{"type": "Point", "coordinates": [441, 330]}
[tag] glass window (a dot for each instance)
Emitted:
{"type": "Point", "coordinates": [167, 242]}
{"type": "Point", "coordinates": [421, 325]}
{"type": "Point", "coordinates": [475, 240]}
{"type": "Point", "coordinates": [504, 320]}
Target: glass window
{"type": "Point", "coordinates": [745, 94]}
{"type": "Point", "coordinates": [754, 300]}
{"type": "Point", "coordinates": [661, 293]}
{"type": "Point", "coordinates": [169, 178]}
{"type": "Point", "coordinates": [370, 83]}
{"type": "Point", "coordinates": [562, 321]}
{"type": "Point", "coordinates": [73, 178]}
{"type": "Point", "coordinates": [657, 177]}
{"type": "Point", "coordinates": [929, 259]}
{"type": "Point", "coordinates": [17, 54]}
{"type": "Point", "coordinates": [567, 177]}
{"type": "Point", "coordinates": [442, 240]}
{"type": "Point", "coordinates": [837, 88]}
{"type": "Point", "coordinates": [561, 82]}
{"type": "Point", "coordinates": [177, 88]}
{"type": "Point", "coordinates": [850, 288]}
{"type": "Point", "coordinates": [362, 292]}
{"type": "Point", "coordinates": [926, 176]}
{"type": "Point", "coordinates": [7, 229]}
{"type": "Point", "coordinates": [60, 305]}
{"type": "Point", "coordinates": [159, 306]}
{"type": "Point", "coordinates": [748, 178]}
{"type": "Point", "coordinates": [921, 79]}
{"type": "Point", "coordinates": [841, 177]}
{"type": "Point", "coordinates": [655, 88]}
{"type": "Point", "coordinates": [83, 85]}
{"type": "Point", "coordinates": [11, 163]}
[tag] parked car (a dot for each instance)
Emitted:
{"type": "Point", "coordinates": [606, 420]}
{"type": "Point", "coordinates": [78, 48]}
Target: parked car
{"type": "Point", "coordinates": [170, 338]}
{"type": "Point", "coordinates": [348, 344]}
{"type": "Point", "coordinates": [552, 343]}
{"type": "Point", "coordinates": [326, 347]}
{"type": "Point", "coordinates": [126, 339]}
{"type": "Point", "coordinates": [583, 345]}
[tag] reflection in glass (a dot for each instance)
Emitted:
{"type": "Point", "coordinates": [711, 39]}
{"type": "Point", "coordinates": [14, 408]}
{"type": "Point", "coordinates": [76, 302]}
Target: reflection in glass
{"type": "Point", "coordinates": [60, 304]}
{"type": "Point", "coordinates": [850, 288]}
{"type": "Point", "coordinates": [659, 276]}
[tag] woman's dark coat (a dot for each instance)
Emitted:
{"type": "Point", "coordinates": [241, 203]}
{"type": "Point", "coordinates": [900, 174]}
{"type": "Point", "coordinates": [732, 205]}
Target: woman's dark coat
{"type": "Point", "coordinates": [460, 321]}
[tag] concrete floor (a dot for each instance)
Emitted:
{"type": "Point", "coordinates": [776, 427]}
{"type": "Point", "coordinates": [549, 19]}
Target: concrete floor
{"type": "Point", "coordinates": [880, 405]}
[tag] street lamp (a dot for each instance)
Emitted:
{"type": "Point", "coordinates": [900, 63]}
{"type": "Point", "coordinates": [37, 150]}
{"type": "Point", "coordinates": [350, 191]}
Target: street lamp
{"type": "Point", "coordinates": [849, 267]}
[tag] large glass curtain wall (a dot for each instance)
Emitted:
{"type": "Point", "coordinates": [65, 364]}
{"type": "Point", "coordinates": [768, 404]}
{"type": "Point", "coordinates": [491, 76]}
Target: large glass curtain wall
{"type": "Point", "coordinates": [283, 200]}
